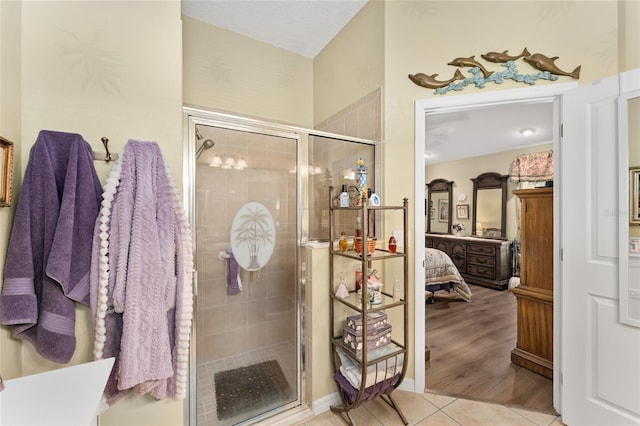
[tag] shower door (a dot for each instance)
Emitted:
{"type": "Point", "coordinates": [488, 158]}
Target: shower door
{"type": "Point", "coordinates": [246, 233]}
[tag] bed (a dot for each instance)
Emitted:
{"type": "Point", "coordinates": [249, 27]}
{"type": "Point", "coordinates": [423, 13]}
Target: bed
{"type": "Point", "coordinates": [441, 274]}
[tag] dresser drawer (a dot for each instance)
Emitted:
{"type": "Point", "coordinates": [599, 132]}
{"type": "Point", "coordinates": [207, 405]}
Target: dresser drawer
{"type": "Point", "coordinates": [482, 260]}
{"type": "Point", "coordinates": [481, 271]}
{"type": "Point", "coordinates": [487, 250]}
{"type": "Point", "coordinates": [440, 245]}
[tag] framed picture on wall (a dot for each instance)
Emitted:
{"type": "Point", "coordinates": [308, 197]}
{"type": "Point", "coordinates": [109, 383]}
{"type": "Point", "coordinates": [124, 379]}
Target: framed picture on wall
{"type": "Point", "coordinates": [443, 211]}
{"type": "Point", "coordinates": [634, 195]}
{"type": "Point", "coordinates": [6, 171]}
{"type": "Point", "coordinates": [462, 211]}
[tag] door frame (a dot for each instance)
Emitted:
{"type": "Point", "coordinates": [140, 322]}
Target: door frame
{"type": "Point", "coordinates": [422, 106]}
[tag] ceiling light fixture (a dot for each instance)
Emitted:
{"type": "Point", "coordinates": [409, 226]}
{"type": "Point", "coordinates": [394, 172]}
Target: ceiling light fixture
{"type": "Point", "coordinates": [216, 161]}
{"type": "Point", "coordinates": [527, 132]}
{"type": "Point", "coordinates": [240, 164]}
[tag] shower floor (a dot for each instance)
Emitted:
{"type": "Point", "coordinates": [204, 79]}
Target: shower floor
{"type": "Point", "coordinates": [284, 353]}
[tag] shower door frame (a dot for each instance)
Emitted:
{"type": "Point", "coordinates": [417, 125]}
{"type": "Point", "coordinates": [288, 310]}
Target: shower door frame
{"type": "Point", "coordinates": [192, 116]}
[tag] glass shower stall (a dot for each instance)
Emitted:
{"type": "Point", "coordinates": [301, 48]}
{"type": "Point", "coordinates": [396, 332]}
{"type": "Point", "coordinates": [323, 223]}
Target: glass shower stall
{"type": "Point", "coordinates": [252, 189]}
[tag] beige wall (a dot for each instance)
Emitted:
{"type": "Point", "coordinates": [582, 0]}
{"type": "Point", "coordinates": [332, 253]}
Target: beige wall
{"type": "Point", "coordinates": [10, 101]}
{"type": "Point", "coordinates": [352, 65]}
{"type": "Point", "coordinates": [227, 72]}
{"type": "Point", "coordinates": [98, 69]}
{"type": "Point", "coordinates": [629, 34]}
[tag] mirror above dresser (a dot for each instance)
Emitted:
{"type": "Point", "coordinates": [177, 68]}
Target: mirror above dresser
{"type": "Point", "coordinates": [489, 212]}
{"type": "Point", "coordinates": [439, 207]}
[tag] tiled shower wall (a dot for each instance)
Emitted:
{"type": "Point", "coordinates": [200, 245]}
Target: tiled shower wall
{"type": "Point", "coordinates": [263, 314]}
{"type": "Point", "coordinates": [361, 119]}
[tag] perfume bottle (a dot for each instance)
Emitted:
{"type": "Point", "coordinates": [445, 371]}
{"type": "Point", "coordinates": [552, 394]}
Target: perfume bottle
{"type": "Point", "coordinates": [358, 279]}
{"type": "Point", "coordinates": [342, 242]}
{"type": "Point", "coordinates": [357, 239]}
{"type": "Point", "coordinates": [392, 244]}
{"type": "Point", "coordinates": [344, 197]}
{"type": "Point", "coordinates": [397, 290]}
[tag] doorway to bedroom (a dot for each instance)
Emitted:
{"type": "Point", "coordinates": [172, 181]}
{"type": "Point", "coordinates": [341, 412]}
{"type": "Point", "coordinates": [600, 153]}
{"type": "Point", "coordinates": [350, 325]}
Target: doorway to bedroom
{"type": "Point", "coordinates": [459, 359]}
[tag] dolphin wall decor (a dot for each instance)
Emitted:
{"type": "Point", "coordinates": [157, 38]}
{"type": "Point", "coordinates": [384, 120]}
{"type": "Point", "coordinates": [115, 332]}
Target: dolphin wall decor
{"type": "Point", "coordinates": [503, 57]}
{"type": "Point", "coordinates": [481, 75]}
{"type": "Point", "coordinates": [470, 62]}
{"type": "Point", "coordinates": [430, 82]}
{"type": "Point", "coordinates": [544, 63]}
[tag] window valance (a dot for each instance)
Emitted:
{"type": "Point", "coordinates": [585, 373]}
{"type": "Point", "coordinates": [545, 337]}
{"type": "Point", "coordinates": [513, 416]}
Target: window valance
{"type": "Point", "coordinates": [536, 167]}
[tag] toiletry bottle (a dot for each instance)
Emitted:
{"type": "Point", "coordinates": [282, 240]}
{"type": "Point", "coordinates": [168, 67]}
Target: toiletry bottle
{"type": "Point", "coordinates": [397, 290]}
{"type": "Point", "coordinates": [357, 239]}
{"type": "Point", "coordinates": [344, 197]}
{"type": "Point", "coordinates": [374, 200]}
{"type": "Point", "coordinates": [392, 244]}
{"type": "Point", "coordinates": [342, 242]}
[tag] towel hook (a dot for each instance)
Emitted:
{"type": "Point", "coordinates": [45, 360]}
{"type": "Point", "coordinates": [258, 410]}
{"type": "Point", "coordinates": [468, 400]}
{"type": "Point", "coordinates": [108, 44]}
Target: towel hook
{"type": "Point", "coordinates": [105, 142]}
{"type": "Point", "coordinates": [97, 156]}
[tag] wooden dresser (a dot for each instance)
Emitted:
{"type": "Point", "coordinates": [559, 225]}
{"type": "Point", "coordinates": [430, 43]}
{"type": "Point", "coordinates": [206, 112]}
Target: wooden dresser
{"type": "Point", "coordinates": [534, 349]}
{"type": "Point", "coordinates": [481, 261]}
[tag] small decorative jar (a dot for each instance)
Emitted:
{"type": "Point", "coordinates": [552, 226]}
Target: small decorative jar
{"type": "Point", "coordinates": [357, 244]}
{"type": "Point", "coordinates": [371, 245]}
{"type": "Point", "coordinates": [392, 244]}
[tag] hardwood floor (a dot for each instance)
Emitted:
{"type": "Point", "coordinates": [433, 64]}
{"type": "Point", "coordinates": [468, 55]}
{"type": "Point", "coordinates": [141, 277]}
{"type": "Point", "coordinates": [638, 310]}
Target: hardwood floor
{"type": "Point", "coordinates": [470, 351]}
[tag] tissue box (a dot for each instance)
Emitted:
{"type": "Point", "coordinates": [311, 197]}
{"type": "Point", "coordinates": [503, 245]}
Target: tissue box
{"type": "Point", "coordinates": [375, 338]}
{"type": "Point", "coordinates": [374, 320]}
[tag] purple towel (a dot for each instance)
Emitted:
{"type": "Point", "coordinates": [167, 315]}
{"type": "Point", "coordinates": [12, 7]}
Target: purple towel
{"type": "Point", "coordinates": [232, 279]}
{"type": "Point", "coordinates": [49, 253]}
{"type": "Point", "coordinates": [349, 393]}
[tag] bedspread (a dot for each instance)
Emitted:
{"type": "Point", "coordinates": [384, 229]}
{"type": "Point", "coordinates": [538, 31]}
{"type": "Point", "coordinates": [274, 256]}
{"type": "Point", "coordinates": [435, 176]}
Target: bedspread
{"type": "Point", "coordinates": [440, 269]}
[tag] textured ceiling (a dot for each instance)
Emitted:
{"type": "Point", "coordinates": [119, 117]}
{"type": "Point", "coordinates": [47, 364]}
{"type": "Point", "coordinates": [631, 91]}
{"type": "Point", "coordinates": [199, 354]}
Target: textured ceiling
{"type": "Point", "coordinates": [304, 27]}
{"type": "Point", "coordinates": [486, 130]}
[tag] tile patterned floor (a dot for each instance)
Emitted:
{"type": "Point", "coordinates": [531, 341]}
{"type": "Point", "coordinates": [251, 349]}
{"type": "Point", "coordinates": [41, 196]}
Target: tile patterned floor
{"type": "Point", "coordinates": [430, 409]}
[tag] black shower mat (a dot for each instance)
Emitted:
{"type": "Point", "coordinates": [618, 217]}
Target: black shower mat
{"type": "Point", "coordinates": [246, 389]}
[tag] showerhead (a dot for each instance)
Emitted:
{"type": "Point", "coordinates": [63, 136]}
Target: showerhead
{"type": "Point", "coordinates": [208, 143]}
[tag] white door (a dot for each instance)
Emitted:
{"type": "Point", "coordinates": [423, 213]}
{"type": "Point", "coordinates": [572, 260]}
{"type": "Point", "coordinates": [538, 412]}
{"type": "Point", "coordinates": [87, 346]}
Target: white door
{"type": "Point", "coordinates": [599, 356]}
